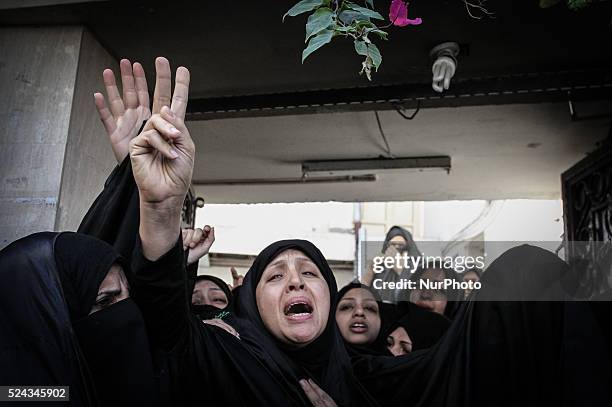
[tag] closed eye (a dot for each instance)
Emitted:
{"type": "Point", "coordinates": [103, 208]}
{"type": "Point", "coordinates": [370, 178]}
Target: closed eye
{"type": "Point", "coordinates": [344, 307]}
{"type": "Point", "coordinates": [275, 277]}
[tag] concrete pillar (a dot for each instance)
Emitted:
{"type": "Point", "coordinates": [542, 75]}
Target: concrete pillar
{"type": "Point", "coordinates": [54, 153]}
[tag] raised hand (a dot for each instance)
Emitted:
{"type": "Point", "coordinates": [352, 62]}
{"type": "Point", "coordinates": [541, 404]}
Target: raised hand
{"type": "Point", "coordinates": [198, 241]}
{"type": "Point", "coordinates": [236, 278]}
{"type": "Point", "coordinates": [126, 115]}
{"type": "Point", "coordinates": [162, 158]}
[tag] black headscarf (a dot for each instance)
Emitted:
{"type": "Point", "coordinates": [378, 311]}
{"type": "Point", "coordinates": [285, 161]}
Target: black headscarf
{"type": "Point", "coordinates": [389, 275]}
{"type": "Point", "coordinates": [82, 263]}
{"type": "Point", "coordinates": [37, 344]}
{"type": "Point", "coordinates": [113, 339]}
{"type": "Point", "coordinates": [378, 346]}
{"type": "Point", "coordinates": [325, 359]}
{"type": "Point", "coordinates": [424, 327]}
{"type": "Point", "coordinates": [411, 246]}
{"type": "Point", "coordinates": [209, 311]}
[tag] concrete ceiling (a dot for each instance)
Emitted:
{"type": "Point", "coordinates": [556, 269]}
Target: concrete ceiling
{"type": "Point", "coordinates": [244, 48]}
{"type": "Point", "coordinates": [497, 152]}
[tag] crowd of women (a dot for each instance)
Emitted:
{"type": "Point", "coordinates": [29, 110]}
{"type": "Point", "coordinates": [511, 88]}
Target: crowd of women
{"type": "Point", "coordinates": [118, 313]}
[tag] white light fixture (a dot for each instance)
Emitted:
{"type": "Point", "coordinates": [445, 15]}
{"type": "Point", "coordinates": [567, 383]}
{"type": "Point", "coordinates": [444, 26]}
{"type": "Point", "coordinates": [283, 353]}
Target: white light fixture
{"type": "Point", "coordinates": [358, 166]}
{"type": "Point", "coordinates": [444, 57]}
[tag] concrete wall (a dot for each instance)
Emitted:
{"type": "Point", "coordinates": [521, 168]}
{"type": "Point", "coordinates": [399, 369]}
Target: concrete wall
{"type": "Point", "coordinates": [89, 158]}
{"type": "Point", "coordinates": [49, 131]}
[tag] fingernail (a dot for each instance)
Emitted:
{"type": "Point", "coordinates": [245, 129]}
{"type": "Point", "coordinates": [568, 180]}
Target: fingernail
{"type": "Point", "coordinates": [174, 130]}
{"type": "Point", "coordinates": [173, 153]}
{"type": "Point", "coordinates": [303, 383]}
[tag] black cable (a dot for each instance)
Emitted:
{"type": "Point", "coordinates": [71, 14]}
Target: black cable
{"type": "Point", "coordinates": [405, 116]}
{"type": "Point", "coordinates": [382, 133]}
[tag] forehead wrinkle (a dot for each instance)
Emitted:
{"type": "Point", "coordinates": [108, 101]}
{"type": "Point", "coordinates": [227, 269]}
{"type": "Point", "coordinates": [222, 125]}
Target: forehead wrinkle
{"type": "Point", "coordinates": [276, 263]}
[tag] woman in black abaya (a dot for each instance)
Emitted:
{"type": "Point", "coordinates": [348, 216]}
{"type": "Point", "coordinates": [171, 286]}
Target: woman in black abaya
{"type": "Point", "coordinates": [263, 363]}
{"type": "Point", "coordinates": [397, 241]}
{"type": "Point", "coordinates": [77, 321]}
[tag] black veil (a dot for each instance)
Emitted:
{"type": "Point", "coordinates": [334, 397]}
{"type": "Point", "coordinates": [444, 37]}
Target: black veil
{"type": "Point", "coordinates": [38, 345]}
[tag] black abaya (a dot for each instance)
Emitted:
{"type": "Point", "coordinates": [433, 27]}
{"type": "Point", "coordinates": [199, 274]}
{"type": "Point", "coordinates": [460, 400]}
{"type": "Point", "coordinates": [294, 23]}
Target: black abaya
{"type": "Point", "coordinates": [37, 344]}
{"type": "Point", "coordinates": [114, 216]}
{"type": "Point", "coordinates": [502, 353]}
{"type": "Point", "coordinates": [110, 344]}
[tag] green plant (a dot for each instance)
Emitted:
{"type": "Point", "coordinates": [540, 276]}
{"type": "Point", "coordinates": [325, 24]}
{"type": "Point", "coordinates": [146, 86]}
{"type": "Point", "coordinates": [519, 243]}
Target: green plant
{"type": "Point", "coordinates": [341, 18]}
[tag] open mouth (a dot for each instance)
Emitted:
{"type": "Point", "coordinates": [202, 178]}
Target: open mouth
{"type": "Point", "coordinates": [298, 309]}
{"type": "Point", "coordinates": [358, 327]}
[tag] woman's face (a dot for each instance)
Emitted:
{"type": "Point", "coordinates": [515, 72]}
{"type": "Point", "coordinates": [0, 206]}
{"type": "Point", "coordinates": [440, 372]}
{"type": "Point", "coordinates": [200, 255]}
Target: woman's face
{"type": "Point", "coordinates": [293, 299]}
{"type": "Point", "coordinates": [397, 244]}
{"type": "Point", "coordinates": [398, 342]}
{"type": "Point", "coordinates": [113, 289]}
{"type": "Point", "coordinates": [432, 300]}
{"type": "Point", "coordinates": [358, 317]}
{"type": "Point", "coordinates": [206, 292]}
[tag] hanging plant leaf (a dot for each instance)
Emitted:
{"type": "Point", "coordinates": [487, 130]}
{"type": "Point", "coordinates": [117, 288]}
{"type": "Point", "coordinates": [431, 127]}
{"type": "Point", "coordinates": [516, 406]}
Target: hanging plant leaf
{"type": "Point", "coordinates": [382, 34]}
{"type": "Point", "coordinates": [303, 7]}
{"type": "Point", "coordinates": [348, 16]}
{"type": "Point", "coordinates": [369, 50]}
{"type": "Point", "coordinates": [318, 21]}
{"type": "Point", "coordinates": [317, 42]}
{"type": "Point", "coordinates": [365, 11]}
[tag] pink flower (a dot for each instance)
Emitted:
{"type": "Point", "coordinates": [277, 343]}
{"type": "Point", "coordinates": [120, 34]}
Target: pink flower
{"type": "Point", "coordinates": [398, 14]}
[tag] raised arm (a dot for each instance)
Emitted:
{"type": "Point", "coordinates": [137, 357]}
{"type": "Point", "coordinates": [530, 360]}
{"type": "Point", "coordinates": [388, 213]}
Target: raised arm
{"type": "Point", "coordinates": [162, 161]}
{"type": "Point", "coordinates": [162, 157]}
